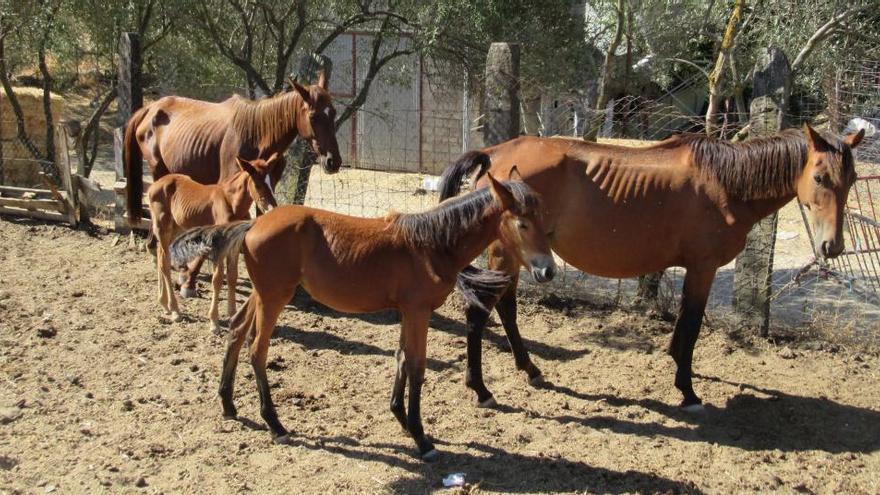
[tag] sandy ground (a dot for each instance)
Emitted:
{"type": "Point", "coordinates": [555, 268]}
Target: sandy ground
{"type": "Point", "coordinates": [102, 395]}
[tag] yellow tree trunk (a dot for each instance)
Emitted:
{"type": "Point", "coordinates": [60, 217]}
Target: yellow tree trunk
{"type": "Point", "coordinates": [716, 80]}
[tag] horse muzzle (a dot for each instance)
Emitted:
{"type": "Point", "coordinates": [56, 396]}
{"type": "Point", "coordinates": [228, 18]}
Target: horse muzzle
{"type": "Point", "coordinates": [830, 249]}
{"type": "Point", "coordinates": [543, 269]}
{"type": "Point", "coordinates": [331, 164]}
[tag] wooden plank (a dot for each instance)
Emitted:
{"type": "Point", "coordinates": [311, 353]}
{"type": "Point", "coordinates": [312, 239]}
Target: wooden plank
{"type": "Point", "coordinates": [119, 222]}
{"type": "Point", "coordinates": [21, 190]}
{"type": "Point", "coordinates": [39, 214]}
{"type": "Point", "coordinates": [145, 223]}
{"type": "Point", "coordinates": [33, 204]}
{"type": "Point", "coordinates": [119, 186]}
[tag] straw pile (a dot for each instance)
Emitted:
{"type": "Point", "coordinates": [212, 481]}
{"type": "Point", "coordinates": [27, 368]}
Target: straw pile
{"type": "Point", "coordinates": [19, 166]}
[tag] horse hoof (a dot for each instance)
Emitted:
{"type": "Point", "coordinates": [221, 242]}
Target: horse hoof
{"type": "Point", "coordinates": [490, 402]}
{"type": "Point", "coordinates": [187, 293]}
{"type": "Point", "coordinates": [175, 316]}
{"type": "Point", "coordinates": [537, 380]}
{"type": "Point", "coordinates": [282, 439]}
{"type": "Point", "coordinates": [694, 409]}
{"type": "Point", "coordinates": [431, 455]}
{"type": "Point", "coordinates": [215, 328]}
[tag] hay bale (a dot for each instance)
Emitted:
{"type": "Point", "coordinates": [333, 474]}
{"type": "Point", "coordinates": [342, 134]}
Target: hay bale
{"type": "Point", "coordinates": [19, 166]}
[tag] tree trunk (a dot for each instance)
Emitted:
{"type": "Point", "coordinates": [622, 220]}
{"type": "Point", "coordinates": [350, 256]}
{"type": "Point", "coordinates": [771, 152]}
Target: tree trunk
{"type": "Point", "coordinates": [716, 77]}
{"type": "Point", "coordinates": [594, 122]}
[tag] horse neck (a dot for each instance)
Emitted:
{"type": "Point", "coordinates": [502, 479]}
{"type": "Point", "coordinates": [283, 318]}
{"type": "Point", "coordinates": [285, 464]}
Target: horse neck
{"type": "Point", "coordinates": [236, 192]}
{"type": "Point", "coordinates": [450, 260]}
{"type": "Point", "coordinates": [274, 123]}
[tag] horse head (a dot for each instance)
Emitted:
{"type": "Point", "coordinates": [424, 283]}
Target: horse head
{"type": "Point", "coordinates": [316, 122]}
{"type": "Point", "coordinates": [259, 186]}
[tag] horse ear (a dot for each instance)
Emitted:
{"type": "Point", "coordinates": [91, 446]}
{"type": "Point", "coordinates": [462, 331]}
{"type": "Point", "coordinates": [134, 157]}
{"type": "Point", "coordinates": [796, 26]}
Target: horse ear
{"type": "Point", "coordinates": [853, 140]}
{"type": "Point", "coordinates": [814, 140]}
{"type": "Point", "coordinates": [501, 194]}
{"type": "Point", "coordinates": [290, 81]}
{"type": "Point", "coordinates": [515, 175]}
{"type": "Point", "coordinates": [306, 96]}
{"type": "Point", "coordinates": [273, 158]}
{"type": "Point", "coordinates": [322, 79]}
{"type": "Point", "coordinates": [245, 165]}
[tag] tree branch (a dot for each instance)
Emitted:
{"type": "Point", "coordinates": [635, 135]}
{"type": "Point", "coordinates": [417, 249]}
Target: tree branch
{"type": "Point", "coordinates": [821, 34]}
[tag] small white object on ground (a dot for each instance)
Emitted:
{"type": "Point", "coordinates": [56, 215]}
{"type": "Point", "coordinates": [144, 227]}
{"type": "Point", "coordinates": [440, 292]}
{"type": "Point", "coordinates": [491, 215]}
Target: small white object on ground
{"type": "Point", "coordinates": [454, 479]}
{"type": "Point", "coordinates": [430, 183]}
{"type": "Point", "coordinates": [784, 235]}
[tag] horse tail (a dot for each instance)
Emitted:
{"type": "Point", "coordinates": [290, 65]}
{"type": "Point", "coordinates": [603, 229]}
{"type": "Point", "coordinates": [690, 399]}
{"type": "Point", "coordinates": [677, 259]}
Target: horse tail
{"type": "Point", "coordinates": [214, 242]}
{"type": "Point", "coordinates": [134, 173]}
{"type": "Point", "coordinates": [450, 181]}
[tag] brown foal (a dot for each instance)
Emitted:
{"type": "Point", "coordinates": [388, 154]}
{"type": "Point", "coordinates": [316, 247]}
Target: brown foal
{"type": "Point", "coordinates": [178, 203]}
{"type": "Point", "coordinates": [357, 265]}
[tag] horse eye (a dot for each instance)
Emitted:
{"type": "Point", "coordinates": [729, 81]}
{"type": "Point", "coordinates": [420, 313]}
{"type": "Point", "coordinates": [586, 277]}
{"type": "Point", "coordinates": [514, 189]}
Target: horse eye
{"type": "Point", "coordinates": [817, 178]}
{"type": "Point", "coordinates": [522, 225]}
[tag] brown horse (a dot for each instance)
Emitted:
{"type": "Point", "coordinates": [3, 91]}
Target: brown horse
{"type": "Point", "coordinates": [403, 262]}
{"type": "Point", "coordinates": [177, 203]}
{"type": "Point", "coordinates": [203, 140]}
{"type": "Point", "coordinates": [689, 201]}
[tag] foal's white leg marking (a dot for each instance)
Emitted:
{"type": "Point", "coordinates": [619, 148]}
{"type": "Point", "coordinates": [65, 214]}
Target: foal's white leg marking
{"type": "Point", "coordinates": [269, 183]}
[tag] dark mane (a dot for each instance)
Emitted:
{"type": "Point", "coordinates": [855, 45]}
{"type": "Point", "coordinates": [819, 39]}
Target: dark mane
{"type": "Point", "coordinates": [758, 168]}
{"type": "Point", "coordinates": [443, 226]}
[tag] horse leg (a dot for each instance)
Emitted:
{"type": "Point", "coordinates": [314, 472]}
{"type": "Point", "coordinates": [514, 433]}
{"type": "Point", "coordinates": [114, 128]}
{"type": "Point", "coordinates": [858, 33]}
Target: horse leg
{"type": "Point", "coordinates": [697, 284]}
{"type": "Point", "coordinates": [217, 286]}
{"type": "Point", "coordinates": [267, 312]}
{"type": "Point", "coordinates": [415, 336]}
{"type": "Point", "coordinates": [188, 287]}
{"type": "Point", "coordinates": [165, 268]}
{"type": "Point", "coordinates": [506, 308]}
{"type": "Point", "coordinates": [397, 407]}
{"type": "Point", "coordinates": [240, 326]}
{"type": "Point", "coordinates": [473, 378]}
{"type": "Point", "coordinates": [231, 282]}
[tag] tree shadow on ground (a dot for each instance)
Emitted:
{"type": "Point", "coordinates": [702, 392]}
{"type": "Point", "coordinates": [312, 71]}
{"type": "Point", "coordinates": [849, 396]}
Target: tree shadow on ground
{"type": "Point", "coordinates": [494, 469]}
{"type": "Point", "coordinates": [328, 341]}
{"type": "Point", "coordinates": [770, 420]}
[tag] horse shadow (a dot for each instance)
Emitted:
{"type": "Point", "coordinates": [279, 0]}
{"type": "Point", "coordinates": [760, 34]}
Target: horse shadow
{"type": "Point", "coordinates": [321, 340]}
{"type": "Point", "coordinates": [495, 469]}
{"type": "Point", "coordinates": [775, 420]}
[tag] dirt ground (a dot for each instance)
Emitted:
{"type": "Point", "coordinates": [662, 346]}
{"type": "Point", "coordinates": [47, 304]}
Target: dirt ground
{"type": "Point", "coordinates": [101, 394]}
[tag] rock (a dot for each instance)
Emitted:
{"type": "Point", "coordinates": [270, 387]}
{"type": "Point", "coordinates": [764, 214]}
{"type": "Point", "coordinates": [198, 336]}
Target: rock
{"type": "Point", "coordinates": [787, 353]}
{"type": "Point", "coordinates": [127, 405]}
{"type": "Point", "coordinates": [77, 293]}
{"type": "Point", "coordinates": [194, 368]}
{"type": "Point", "coordinates": [141, 482]}
{"type": "Point", "coordinates": [46, 331]}
{"type": "Point", "coordinates": [175, 361]}
{"type": "Point", "coordinates": [9, 414]}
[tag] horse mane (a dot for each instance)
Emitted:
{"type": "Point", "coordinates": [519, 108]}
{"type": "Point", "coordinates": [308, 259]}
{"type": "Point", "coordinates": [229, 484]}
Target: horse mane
{"type": "Point", "coordinates": [443, 226]}
{"type": "Point", "coordinates": [765, 167]}
{"type": "Point", "coordinates": [267, 118]}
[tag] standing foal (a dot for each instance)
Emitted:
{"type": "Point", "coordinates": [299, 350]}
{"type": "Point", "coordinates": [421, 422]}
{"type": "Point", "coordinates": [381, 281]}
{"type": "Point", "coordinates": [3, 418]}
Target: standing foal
{"type": "Point", "coordinates": [177, 203]}
{"type": "Point", "coordinates": [360, 265]}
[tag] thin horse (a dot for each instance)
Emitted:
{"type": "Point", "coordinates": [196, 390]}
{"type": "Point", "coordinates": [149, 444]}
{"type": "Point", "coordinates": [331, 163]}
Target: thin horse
{"type": "Point", "coordinates": [357, 265]}
{"type": "Point", "coordinates": [202, 139]}
{"type": "Point", "coordinates": [177, 203]}
{"type": "Point", "coordinates": [688, 201]}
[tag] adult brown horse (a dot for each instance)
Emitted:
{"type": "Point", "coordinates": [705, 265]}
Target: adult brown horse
{"type": "Point", "coordinates": [358, 265]}
{"type": "Point", "coordinates": [202, 139]}
{"type": "Point", "coordinates": [688, 201]}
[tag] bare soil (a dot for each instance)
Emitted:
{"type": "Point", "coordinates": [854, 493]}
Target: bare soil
{"type": "Point", "coordinates": [101, 394]}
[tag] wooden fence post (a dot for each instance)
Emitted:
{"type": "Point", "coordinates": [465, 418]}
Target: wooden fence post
{"type": "Point", "coordinates": [502, 94]}
{"type": "Point", "coordinates": [131, 98]}
{"type": "Point", "coordinates": [754, 266]}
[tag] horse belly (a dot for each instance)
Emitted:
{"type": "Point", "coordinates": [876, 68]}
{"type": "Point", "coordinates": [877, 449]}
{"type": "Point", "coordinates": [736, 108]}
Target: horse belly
{"type": "Point", "coordinates": [620, 240]}
{"type": "Point", "coordinates": [350, 288]}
